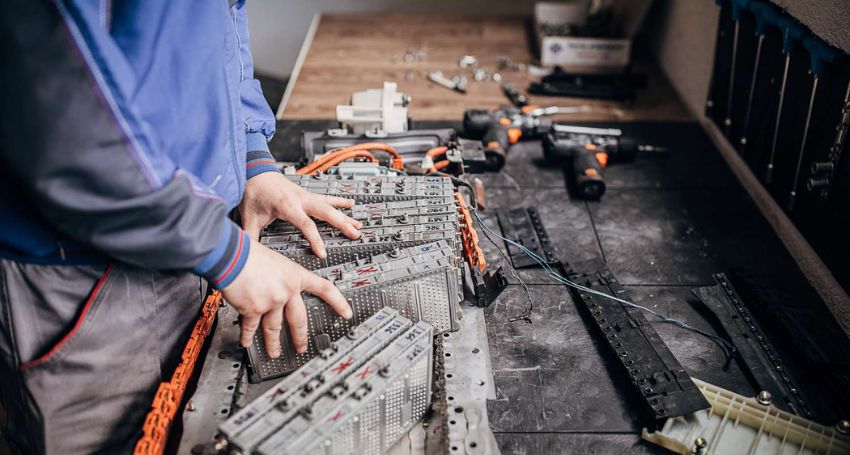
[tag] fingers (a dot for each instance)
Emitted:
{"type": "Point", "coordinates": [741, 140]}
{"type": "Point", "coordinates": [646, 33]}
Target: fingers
{"type": "Point", "coordinates": [296, 317]}
{"type": "Point", "coordinates": [326, 291]}
{"type": "Point", "coordinates": [249, 328]}
{"type": "Point", "coordinates": [311, 233]}
{"type": "Point", "coordinates": [339, 202]}
{"type": "Point", "coordinates": [347, 225]}
{"type": "Point", "coordinates": [272, 324]}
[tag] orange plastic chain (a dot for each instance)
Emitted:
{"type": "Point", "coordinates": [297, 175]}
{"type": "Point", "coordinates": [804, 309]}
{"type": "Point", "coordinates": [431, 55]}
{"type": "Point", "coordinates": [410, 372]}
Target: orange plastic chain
{"type": "Point", "coordinates": [169, 395]}
{"type": "Point", "coordinates": [474, 255]}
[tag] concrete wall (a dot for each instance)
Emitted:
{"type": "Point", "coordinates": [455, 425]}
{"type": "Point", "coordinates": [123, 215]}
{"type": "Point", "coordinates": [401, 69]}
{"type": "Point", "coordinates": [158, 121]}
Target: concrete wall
{"type": "Point", "coordinates": [681, 35]}
{"type": "Point", "coordinates": [278, 26]}
{"type": "Point", "coordinates": [829, 19]}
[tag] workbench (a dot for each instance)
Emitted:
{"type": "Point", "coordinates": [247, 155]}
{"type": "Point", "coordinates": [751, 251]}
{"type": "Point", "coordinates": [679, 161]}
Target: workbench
{"type": "Point", "coordinates": [665, 225]}
{"type": "Point", "coordinates": [346, 53]}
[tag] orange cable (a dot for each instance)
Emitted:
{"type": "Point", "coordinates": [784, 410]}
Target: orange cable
{"type": "Point", "coordinates": [337, 158]}
{"type": "Point", "coordinates": [397, 161]}
{"type": "Point", "coordinates": [439, 165]}
{"type": "Point", "coordinates": [347, 155]}
{"type": "Point", "coordinates": [436, 151]}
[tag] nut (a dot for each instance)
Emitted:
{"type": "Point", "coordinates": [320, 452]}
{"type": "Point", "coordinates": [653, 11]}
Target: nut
{"type": "Point", "coordinates": [467, 61]}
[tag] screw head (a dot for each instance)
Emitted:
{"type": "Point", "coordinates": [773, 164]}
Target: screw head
{"type": "Point", "coordinates": [764, 397]}
{"type": "Point", "coordinates": [220, 443]}
{"type": "Point", "coordinates": [843, 426]}
{"type": "Point", "coordinates": [700, 444]}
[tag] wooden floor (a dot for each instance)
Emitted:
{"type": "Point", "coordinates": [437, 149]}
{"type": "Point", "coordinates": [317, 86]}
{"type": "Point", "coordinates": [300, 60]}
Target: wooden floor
{"type": "Point", "coordinates": [354, 52]}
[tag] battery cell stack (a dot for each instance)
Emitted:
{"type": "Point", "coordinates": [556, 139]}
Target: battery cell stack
{"type": "Point", "coordinates": [420, 282]}
{"type": "Point", "coordinates": [366, 189]}
{"type": "Point", "coordinates": [358, 395]}
{"type": "Point", "coordinates": [396, 212]}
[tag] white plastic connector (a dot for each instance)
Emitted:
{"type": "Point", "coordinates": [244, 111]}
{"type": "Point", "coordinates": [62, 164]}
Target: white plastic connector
{"type": "Point", "coordinates": [375, 109]}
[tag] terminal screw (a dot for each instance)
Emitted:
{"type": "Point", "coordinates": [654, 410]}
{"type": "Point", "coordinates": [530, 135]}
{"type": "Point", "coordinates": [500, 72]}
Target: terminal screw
{"type": "Point", "coordinates": [700, 445]}
{"type": "Point", "coordinates": [220, 443]}
{"type": "Point", "coordinates": [764, 397]}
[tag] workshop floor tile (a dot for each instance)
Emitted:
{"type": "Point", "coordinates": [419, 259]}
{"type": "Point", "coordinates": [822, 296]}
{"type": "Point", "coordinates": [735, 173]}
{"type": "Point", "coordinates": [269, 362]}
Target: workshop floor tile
{"type": "Point", "coordinates": [566, 221]}
{"type": "Point", "coordinates": [583, 443]}
{"type": "Point", "coordinates": [554, 375]}
{"type": "Point", "coordinates": [682, 237]}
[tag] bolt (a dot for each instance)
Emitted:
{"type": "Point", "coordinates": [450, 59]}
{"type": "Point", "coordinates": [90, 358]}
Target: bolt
{"type": "Point", "coordinates": [764, 397]}
{"type": "Point", "coordinates": [700, 445]}
{"type": "Point", "coordinates": [466, 61]}
{"type": "Point", "coordinates": [479, 74]}
{"type": "Point", "coordinates": [220, 443]}
{"type": "Point", "coordinates": [190, 406]}
{"type": "Point", "coordinates": [843, 426]}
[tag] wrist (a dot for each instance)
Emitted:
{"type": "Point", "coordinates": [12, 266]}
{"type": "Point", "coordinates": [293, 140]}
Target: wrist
{"type": "Point", "coordinates": [258, 159]}
{"type": "Point", "coordinates": [224, 263]}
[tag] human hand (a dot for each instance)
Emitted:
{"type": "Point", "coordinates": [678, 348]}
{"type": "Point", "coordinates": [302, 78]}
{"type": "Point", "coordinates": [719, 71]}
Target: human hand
{"type": "Point", "coordinates": [270, 196]}
{"type": "Point", "coordinates": [270, 286]}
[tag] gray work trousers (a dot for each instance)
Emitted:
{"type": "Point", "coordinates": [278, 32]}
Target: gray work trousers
{"type": "Point", "coordinates": [83, 349]}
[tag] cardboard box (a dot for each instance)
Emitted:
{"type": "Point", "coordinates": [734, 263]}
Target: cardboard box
{"type": "Point", "coordinates": [584, 53]}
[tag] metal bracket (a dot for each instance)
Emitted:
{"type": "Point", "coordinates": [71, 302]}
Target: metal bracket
{"type": "Point", "coordinates": [487, 286]}
{"type": "Point", "coordinates": [524, 226]}
{"type": "Point", "coordinates": [666, 388]}
{"type": "Point", "coordinates": [758, 358]}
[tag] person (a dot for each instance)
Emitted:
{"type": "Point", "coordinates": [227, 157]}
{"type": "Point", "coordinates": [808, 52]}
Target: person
{"type": "Point", "coordinates": [129, 129]}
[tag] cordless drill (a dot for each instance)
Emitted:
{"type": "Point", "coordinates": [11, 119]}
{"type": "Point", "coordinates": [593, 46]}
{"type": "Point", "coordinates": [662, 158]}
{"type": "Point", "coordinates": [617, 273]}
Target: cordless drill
{"type": "Point", "coordinates": [589, 150]}
{"type": "Point", "coordinates": [499, 129]}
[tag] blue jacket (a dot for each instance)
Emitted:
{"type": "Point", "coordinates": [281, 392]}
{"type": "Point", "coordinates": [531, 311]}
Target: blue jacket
{"type": "Point", "coordinates": [128, 129]}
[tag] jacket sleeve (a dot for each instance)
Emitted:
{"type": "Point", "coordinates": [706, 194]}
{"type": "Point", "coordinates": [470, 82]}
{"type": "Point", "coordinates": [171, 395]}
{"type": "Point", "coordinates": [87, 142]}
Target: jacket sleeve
{"type": "Point", "coordinates": [258, 117]}
{"type": "Point", "coordinates": [76, 148]}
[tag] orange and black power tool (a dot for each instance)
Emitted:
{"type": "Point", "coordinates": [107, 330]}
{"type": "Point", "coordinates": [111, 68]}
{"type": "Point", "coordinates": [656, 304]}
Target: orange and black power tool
{"type": "Point", "coordinates": [501, 128]}
{"type": "Point", "coordinates": [587, 151]}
